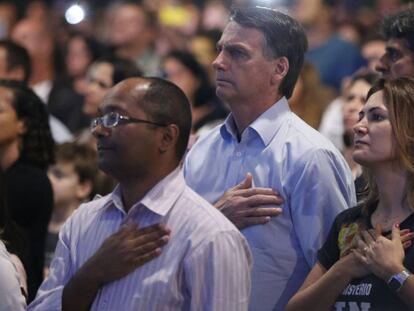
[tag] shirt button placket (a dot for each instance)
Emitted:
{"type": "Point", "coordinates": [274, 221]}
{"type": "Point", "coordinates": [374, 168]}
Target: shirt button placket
{"type": "Point", "coordinates": [236, 165]}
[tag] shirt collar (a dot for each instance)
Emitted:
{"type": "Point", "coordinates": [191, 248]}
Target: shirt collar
{"type": "Point", "coordinates": [265, 126]}
{"type": "Point", "coordinates": [228, 128]}
{"type": "Point", "coordinates": [159, 199]}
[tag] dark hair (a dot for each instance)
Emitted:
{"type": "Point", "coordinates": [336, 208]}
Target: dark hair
{"type": "Point", "coordinates": [211, 34]}
{"type": "Point", "coordinates": [10, 233]}
{"type": "Point", "coordinates": [283, 36]}
{"type": "Point", "coordinates": [94, 47]}
{"type": "Point", "coordinates": [166, 103]}
{"type": "Point", "coordinates": [84, 160]}
{"type": "Point", "coordinates": [17, 56]}
{"type": "Point", "coordinates": [365, 75]}
{"type": "Point", "coordinates": [37, 142]}
{"type": "Point", "coordinates": [400, 26]}
{"type": "Point", "coordinates": [330, 3]}
{"type": "Point", "coordinates": [205, 92]}
{"type": "Point", "coordinates": [122, 68]}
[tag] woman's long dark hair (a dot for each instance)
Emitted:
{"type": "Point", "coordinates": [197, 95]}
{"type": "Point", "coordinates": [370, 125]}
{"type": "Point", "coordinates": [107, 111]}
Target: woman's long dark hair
{"type": "Point", "coordinates": [205, 93]}
{"type": "Point", "coordinates": [9, 232]}
{"type": "Point", "coordinates": [37, 143]}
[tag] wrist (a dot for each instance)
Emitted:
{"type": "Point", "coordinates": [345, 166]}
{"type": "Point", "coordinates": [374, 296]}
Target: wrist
{"type": "Point", "coordinates": [391, 271]}
{"type": "Point", "coordinates": [396, 281]}
{"type": "Point", "coordinates": [342, 272]}
{"type": "Point", "coordinates": [92, 274]}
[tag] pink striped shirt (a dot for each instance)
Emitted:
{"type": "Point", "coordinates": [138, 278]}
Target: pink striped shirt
{"type": "Point", "coordinates": [205, 265]}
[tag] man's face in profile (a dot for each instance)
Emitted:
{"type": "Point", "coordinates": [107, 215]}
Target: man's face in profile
{"type": "Point", "coordinates": [397, 61]}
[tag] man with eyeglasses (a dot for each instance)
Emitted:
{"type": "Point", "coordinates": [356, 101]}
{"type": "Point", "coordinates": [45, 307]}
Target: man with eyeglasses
{"type": "Point", "coordinates": [142, 135]}
{"type": "Point", "coordinates": [263, 153]}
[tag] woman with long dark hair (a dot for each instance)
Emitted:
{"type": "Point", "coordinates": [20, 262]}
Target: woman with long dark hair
{"type": "Point", "coordinates": [188, 74]}
{"type": "Point", "coordinates": [26, 150]}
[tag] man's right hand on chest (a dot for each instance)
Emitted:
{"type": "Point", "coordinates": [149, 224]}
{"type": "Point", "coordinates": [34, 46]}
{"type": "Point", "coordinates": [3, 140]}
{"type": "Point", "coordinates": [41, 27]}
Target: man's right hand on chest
{"type": "Point", "coordinates": [247, 206]}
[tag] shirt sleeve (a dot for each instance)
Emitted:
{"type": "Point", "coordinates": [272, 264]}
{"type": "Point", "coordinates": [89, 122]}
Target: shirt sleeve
{"type": "Point", "coordinates": [323, 187]}
{"type": "Point", "coordinates": [49, 295]}
{"type": "Point", "coordinates": [11, 298]}
{"type": "Point", "coordinates": [329, 253]}
{"type": "Point", "coordinates": [217, 274]}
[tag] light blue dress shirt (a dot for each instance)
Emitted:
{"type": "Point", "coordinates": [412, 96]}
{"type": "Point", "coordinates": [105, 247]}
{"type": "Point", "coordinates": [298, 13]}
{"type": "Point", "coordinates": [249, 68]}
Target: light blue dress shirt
{"type": "Point", "coordinates": [204, 266]}
{"type": "Point", "coordinates": [282, 152]}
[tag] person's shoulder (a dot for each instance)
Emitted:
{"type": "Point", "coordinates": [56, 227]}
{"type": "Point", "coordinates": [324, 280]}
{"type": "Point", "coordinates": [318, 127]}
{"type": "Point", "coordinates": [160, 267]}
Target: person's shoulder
{"type": "Point", "coordinates": [28, 177]}
{"type": "Point", "coordinates": [97, 203]}
{"type": "Point", "coordinates": [338, 44]}
{"type": "Point", "coordinates": [10, 291]}
{"type": "Point", "coordinates": [205, 145]}
{"type": "Point", "coordinates": [21, 168]}
{"type": "Point", "coordinates": [202, 214]}
{"type": "Point", "coordinates": [305, 139]}
{"type": "Point", "coordinates": [87, 211]}
{"type": "Point", "coordinates": [210, 136]}
{"type": "Point", "coordinates": [203, 225]}
{"type": "Point", "coordinates": [349, 215]}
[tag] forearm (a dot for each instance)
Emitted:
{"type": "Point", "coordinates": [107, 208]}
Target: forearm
{"type": "Point", "coordinates": [320, 294]}
{"type": "Point", "coordinates": [80, 292]}
{"type": "Point", "coordinates": [407, 293]}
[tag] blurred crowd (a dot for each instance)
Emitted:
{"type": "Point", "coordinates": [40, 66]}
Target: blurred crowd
{"type": "Point", "coordinates": [73, 65]}
{"type": "Point", "coordinates": [64, 71]}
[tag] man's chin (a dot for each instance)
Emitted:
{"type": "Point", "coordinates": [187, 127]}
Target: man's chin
{"type": "Point", "coordinates": [105, 166]}
{"type": "Point", "coordinates": [223, 92]}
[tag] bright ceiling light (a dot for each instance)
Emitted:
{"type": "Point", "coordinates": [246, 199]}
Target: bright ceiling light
{"type": "Point", "coordinates": [75, 14]}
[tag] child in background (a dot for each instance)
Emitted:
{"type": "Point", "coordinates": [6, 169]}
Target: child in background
{"type": "Point", "coordinates": [73, 180]}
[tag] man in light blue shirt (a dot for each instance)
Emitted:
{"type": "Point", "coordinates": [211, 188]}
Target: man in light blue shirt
{"type": "Point", "coordinates": [263, 153]}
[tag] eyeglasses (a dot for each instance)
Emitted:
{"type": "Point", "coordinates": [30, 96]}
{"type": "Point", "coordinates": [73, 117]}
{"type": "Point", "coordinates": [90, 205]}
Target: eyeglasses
{"type": "Point", "coordinates": [265, 8]}
{"type": "Point", "coordinates": [113, 119]}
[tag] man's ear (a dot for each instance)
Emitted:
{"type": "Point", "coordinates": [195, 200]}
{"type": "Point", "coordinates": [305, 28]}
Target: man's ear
{"type": "Point", "coordinates": [169, 137]}
{"type": "Point", "coordinates": [281, 68]}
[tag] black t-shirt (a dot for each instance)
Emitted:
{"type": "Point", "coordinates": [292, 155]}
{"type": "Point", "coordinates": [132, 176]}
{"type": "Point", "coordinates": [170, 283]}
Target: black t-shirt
{"type": "Point", "coordinates": [50, 246]}
{"type": "Point", "coordinates": [30, 200]}
{"type": "Point", "coordinates": [370, 292]}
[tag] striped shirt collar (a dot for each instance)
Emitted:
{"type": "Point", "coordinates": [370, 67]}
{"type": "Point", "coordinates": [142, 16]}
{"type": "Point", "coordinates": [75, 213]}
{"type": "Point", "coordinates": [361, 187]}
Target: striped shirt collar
{"type": "Point", "coordinates": [159, 199]}
{"type": "Point", "coordinates": [265, 126]}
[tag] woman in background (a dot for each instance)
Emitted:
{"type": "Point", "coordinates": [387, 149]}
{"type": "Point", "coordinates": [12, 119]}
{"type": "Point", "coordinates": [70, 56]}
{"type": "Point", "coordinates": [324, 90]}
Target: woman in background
{"type": "Point", "coordinates": [26, 150]}
{"type": "Point", "coordinates": [185, 71]}
{"type": "Point", "coordinates": [354, 100]}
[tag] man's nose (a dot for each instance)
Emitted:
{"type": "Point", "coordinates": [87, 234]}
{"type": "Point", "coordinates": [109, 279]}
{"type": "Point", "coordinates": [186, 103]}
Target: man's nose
{"type": "Point", "coordinates": [219, 62]}
{"type": "Point", "coordinates": [382, 65]}
{"type": "Point", "coordinates": [100, 131]}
